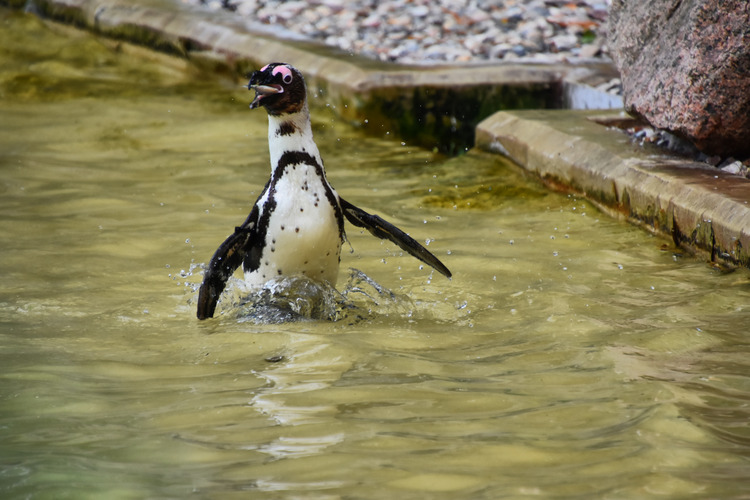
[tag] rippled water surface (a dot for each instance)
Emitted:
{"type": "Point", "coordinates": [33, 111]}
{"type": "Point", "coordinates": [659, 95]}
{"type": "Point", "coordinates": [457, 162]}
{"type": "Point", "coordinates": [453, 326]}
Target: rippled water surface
{"type": "Point", "coordinates": [570, 356]}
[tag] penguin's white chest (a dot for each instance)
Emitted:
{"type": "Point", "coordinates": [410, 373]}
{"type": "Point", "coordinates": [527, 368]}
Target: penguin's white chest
{"type": "Point", "coordinates": [303, 235]}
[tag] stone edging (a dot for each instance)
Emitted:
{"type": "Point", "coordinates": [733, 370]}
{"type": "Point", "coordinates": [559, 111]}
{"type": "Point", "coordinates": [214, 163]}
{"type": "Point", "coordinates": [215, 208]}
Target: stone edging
{"type": "Point", "coordinates": [698, 206]}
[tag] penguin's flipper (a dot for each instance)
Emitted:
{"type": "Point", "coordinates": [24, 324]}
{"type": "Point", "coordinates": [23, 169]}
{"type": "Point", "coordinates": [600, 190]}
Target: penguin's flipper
{"type": "Point", "coordinates": [227, 258]}
{"type": "Point", "coordinates": [387, 231]}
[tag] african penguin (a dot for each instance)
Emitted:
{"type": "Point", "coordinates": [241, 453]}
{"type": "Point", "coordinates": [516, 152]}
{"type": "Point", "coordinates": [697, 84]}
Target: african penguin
{"type": "Point", "coordinates": [297, 223]}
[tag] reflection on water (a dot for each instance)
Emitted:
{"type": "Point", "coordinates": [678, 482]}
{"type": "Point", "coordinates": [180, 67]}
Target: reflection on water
{"type": "Point", "coordinates": [571, 355]}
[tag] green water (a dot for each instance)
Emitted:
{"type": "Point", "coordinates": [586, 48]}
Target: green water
{"type": "Point", "coordinates": [571, 356]}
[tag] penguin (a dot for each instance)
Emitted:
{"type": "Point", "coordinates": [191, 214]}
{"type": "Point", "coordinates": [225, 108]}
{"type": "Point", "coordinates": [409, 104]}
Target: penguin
{"type": "Point", "coordinates": [296, 225]}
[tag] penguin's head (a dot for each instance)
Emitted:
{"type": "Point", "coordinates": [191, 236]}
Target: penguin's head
{"type": "Point", "coordinates": [279, 88]}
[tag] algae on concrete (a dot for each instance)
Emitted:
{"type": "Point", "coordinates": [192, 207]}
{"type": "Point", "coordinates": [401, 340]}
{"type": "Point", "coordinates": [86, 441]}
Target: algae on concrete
{"type": "Point", "coordinates": [444, 118]}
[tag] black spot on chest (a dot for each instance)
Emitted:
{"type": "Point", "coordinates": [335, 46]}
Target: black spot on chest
{"type": "Point", "coordinates": [286, 128]}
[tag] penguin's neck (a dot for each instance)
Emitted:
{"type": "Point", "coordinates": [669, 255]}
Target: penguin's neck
{"type": "Point", "coordinates": [291, 133]}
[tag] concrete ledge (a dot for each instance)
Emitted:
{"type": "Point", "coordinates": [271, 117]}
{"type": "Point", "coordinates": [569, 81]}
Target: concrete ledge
{"type": "Point", "coordinates": [435, 107]}
{"type": "Point", "coordinates": [696, 205]}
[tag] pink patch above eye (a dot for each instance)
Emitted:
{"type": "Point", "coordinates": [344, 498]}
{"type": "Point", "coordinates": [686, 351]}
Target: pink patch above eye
{"type": "Point", "coordinates": [263, 68]}
{"type": "Point", "coordinates": [286, 73]}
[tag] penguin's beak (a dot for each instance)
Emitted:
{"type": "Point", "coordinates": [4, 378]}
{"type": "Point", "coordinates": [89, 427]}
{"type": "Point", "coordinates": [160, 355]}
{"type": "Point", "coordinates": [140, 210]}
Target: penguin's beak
{"type": "Point", "coordinates": [263, 90]}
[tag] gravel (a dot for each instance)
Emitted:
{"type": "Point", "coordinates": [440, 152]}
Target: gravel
{"type": "Point", "coordinates": [446, 31]}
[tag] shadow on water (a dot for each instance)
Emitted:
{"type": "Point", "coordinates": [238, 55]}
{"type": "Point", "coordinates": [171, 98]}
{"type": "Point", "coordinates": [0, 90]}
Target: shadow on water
{"type": "Point", "coordinates": [571, 355]}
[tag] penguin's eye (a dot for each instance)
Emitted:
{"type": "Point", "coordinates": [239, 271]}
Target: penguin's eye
{"type": "Point", "coordinates": [286, 73]}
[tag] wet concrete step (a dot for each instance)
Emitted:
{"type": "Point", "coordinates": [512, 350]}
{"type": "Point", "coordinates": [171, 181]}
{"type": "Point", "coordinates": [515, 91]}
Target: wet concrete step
{"type": "Point", "coordinates": [696, 205]}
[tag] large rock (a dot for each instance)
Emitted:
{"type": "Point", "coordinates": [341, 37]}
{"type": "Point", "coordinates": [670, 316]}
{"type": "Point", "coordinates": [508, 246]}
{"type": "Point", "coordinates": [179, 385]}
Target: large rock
{"type": "Point", "coordinates": [685, 67]}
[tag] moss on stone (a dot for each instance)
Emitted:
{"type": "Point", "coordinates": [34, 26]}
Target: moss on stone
{"type": "Point", "coordinates": [444, 119]}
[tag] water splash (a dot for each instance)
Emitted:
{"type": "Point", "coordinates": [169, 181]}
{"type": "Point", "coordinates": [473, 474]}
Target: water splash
{"type": "Point", "coordinates": [299, 298]}
{"type": "Point", "coordinates": [290, 299]}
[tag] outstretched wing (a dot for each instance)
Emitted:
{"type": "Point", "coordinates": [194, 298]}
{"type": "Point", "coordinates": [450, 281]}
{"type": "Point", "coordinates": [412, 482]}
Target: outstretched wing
{"type": "Point", "coordinates": [387, 231]}
{"type": "Point", "coordinates": [227, 258]}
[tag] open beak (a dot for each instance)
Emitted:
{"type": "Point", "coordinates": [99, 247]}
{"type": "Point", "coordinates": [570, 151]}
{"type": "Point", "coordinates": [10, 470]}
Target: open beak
{"type": "Point", "coordinates": [263, 90]}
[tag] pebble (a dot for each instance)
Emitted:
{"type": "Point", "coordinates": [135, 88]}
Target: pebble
{"type": "Point", "coordinates": [736, 167]}
{"type": "Point", "coordinates": [450, 31]}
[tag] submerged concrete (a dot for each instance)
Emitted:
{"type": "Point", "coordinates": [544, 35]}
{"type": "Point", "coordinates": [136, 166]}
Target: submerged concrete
{"type": "Point", "coordinates": [439, 107]}
{"type": "Point", "coordinates": [698, 206]}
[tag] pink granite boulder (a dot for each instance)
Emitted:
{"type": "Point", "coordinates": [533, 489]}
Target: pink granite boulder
{"type": "Point", "coordinates": [685, 67]}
